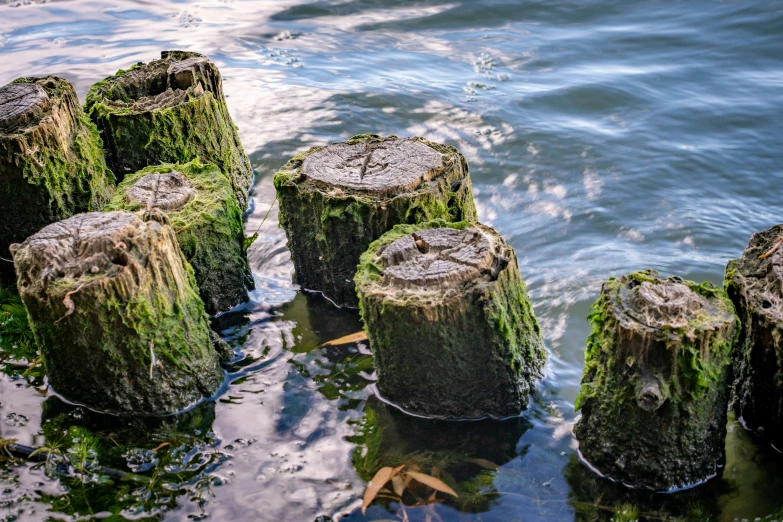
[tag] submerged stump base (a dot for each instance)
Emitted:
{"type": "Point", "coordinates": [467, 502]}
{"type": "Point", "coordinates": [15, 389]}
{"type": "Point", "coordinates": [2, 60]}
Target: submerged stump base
{"type": "Point", "coordinates": [336, 200]}
{"type": "Point", "coordinates": [115, 311]}
{"type": "Point", "coordinates": [754, 283]}
{"type": "Point", "coordinates": [200, 206]}
{"type": "Point", "coordinates": [450, 325]}
{"type": "Point", "coordinates": [170, 110]}
{"type": "Point", "coordinates": [51, 160]}
{"type": "Point", "coordinates": [654, 392]}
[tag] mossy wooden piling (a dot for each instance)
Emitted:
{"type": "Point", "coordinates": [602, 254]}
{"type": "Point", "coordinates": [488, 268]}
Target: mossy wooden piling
{"type": "Point", "coordinates": [51, 160]}
{"type": "Point", "coordinates": [449, 321]}
{"type": "Point", "coordinates": [754, 283]}
{"type": "Point", "coordinates": [203, 212]}
{"type": "Point", "coordinates": [116, 314]}
{"type": "Point", "coordinates": [170, 110]}
{"type": "Point", "coordinates": [654, 394]}
{"type": "Point", "coordinates": [336, 200]}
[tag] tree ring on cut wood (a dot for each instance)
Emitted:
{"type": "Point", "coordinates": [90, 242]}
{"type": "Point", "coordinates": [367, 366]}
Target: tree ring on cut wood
{"type": "Point", "coordinates": [21, 103]}
{"type": "Point", "coordinates": [383, 168]}
{"type": "Point", "coordinates": [168, 191]}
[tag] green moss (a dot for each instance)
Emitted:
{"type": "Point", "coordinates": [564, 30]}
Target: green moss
{"type": "Point", "coordinates": [16, 337]}
{"type": "Point", "coordinates": [198, 127]}
{"type": "Point", "coordinates": [328, 232]}
{"type": "Point", "coordinates": [209, 230]}
{"type": "Point", "coordinates": [53, 169]}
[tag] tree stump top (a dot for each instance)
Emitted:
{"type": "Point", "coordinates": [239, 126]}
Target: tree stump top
{"type": "Point", "coordinates": [648, 301]}
{"type": "Point", "coordinates": [433, 260]}
{"type": "Point", "coordinates": [759, 272]}
{"type": "Point", "coordinates": [91, 244]}
{"type": "Point", "coordinates": [20, 103]}
{"type": "Point", "coordinates": [167, 82]}
{"type": "Point", "coordinates": [170, 191]}
{"type": "Point", "coordinates": [378, 167]}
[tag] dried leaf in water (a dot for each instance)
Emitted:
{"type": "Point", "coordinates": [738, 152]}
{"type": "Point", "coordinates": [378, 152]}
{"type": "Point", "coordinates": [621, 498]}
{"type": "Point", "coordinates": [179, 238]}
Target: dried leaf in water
{"type": "Point", "coordinates": [378, 481]}
{"type": "Point", "coordinates": [399, 485]}
{"type": "Point", "coordinates": [484, 463]}
{"type": "Point", "coordinates": [353, 338]}
{"type": "Point", "coordinates": [432, 482]}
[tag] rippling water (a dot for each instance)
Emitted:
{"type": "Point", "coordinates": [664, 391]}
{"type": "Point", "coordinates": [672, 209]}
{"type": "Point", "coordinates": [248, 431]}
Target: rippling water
{"type": "Point", "coordinates": [603, 137]}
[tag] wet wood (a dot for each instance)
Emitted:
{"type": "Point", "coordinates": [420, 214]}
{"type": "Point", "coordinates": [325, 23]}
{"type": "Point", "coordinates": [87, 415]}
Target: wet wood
{"type": "Point", "coordinates": [20, 104]}
{"type": "Point", "coordinates": [654, 396]}
{"type": "Point", "coordinates": [755, 284]}
{"type": "Point", "coordinates": [335, 200]}
{"type": "Point", "coordinates": [450, 325]}
{"type": "Point", "coordinates": [382, 168]}
{"type": "Point", "coordinates": [116, 314]}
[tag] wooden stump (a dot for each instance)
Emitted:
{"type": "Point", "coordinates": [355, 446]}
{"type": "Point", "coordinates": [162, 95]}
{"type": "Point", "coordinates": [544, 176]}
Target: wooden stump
{"type": "Point", "coordinates": [170, 110]}
{"type": "Point", "coordinates": [754, 283]}
{"type": "Point", "coordinates": [51, 160]}
{"type": "Point", "coordinates": [450, 325]}
{"type": "Point", "coordinates": [116, 314]}
{"type": "Point", "coordinates": [201, 207]}
{"type": "Point", "coordinates": [654, 392]}
{"type": "Point", "coordinates": [336, 200]}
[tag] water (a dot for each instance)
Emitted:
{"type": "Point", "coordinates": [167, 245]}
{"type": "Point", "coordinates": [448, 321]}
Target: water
{"type": "Point", "coordinates": [603, 137]}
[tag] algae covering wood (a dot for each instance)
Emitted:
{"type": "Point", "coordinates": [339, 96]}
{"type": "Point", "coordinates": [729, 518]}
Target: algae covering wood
{"type": "Point", "coordinates": [754, 283]}
{"type": "Point", "coordinates": [116, 314]}
{"type": "Point", "coordinates": [170, 110]}
{"type": "Point", "coordinates": [654, 394]}
{"type": "Point", "coordinates": [200, 206]}
{"type": "Point", "coordinates": [51, 160]}
{"type": "Point", "coordinates": [336, 200]}
{"type": "Point", "coordinates": [451, 328]}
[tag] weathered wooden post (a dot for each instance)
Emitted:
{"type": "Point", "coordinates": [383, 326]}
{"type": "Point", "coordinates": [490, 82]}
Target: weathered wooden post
{"type": "Point", "coordinates": [450, 325]}
{"type": "Point", "coordinates": [203, 212]}
{"type": "Point", "coordinates": [170, 110]}
{"type": "Point", "coordinates": [116, 314]}
{"type": "Point", "coordinates": [51, 160]}
{"type": "Point", "coordinates": [336, 200]}
{"type": "Point", "coordinates": [754, 283]}
{"type": "Point", "coordinates": [654, 394]}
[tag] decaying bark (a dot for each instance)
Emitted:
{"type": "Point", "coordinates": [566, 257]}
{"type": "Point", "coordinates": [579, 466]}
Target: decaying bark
{"type": "Point", "coordinates": [336, 200]}
{"type": "Point", "coordinates": [654, 392]}
{"type": "Point", "coordinates": [754, 283]}
{"type": "Point", "coordinates": [170, 110]}
{"type": "Point", "coordinates": [116, 313]}
{"type": "Point", "coordinates": [203, 212]}
{"type": "Point", "coordinates": [450, 325]}
{"type": "Point", "coordinates": [51, 160]}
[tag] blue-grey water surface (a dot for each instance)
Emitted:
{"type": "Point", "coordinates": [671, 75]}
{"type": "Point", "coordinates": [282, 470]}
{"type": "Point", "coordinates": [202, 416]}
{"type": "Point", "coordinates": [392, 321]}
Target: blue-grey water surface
{"type": "Point", "coordinates": [603, 136]}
